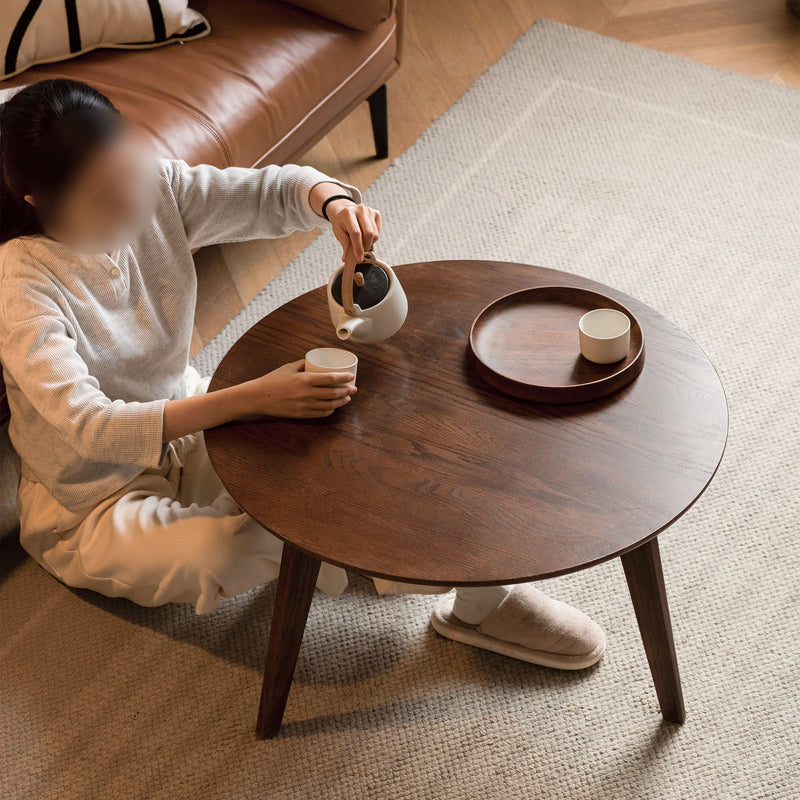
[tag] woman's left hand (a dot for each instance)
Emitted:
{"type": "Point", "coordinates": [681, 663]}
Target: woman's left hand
{"type": "Point", "coordinates": [356, 228]}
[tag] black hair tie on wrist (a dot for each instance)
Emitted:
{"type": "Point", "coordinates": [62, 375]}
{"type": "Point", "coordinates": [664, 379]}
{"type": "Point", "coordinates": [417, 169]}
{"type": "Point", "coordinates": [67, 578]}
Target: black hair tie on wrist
{"type": "Point", "coordinates": [331, 199]}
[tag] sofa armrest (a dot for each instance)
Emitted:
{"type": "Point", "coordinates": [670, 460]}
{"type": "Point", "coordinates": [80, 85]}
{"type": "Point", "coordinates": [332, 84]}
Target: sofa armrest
{"type": "Point", "coordinates": [363, 15]}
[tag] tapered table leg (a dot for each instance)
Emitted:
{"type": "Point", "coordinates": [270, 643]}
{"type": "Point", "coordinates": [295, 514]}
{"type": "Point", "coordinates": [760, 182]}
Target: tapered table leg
{"type": "Point", "coordinates": [298, 577]}
{"type": "Point", "coordinates": [646, 584]}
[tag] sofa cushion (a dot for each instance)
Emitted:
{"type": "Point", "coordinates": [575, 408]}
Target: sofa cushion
{"type": "Point", "coordinates": [260, 88]}
{"type": "Point", "coordinates": [363, 15]}
{"type": "Point", "coordinates": [37, 33]}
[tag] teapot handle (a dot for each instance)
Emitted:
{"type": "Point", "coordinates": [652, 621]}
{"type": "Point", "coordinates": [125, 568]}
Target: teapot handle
{"type": "Point", "coordinates": [349, 275]}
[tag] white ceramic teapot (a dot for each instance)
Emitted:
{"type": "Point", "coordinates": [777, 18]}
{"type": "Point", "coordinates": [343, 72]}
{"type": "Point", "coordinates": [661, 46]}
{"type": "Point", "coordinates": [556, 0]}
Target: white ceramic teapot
{"type": "Point", "coordinates": [366, 301]}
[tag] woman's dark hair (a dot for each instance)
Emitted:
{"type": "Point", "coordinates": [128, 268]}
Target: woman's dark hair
{"type": "Point", "coordinates": [48, 131]}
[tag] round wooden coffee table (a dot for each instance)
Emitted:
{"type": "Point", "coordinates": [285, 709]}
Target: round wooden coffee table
{"type": "Point", "coordinates": [431, 476]}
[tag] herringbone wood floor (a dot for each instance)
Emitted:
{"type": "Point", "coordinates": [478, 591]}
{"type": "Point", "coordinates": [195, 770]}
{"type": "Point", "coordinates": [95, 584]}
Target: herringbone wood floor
{"type": "Point", "coordinates": [755, 37]}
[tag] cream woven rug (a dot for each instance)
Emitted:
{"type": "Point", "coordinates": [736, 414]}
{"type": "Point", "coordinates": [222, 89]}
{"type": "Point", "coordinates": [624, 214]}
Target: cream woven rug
{"type": "Point", "coordinates": [675, 183]}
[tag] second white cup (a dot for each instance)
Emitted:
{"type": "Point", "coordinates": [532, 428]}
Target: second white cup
{"type": "Point", "coordinates": [605, 335]}
{"type": "Point", "coordinates": [331, 359]}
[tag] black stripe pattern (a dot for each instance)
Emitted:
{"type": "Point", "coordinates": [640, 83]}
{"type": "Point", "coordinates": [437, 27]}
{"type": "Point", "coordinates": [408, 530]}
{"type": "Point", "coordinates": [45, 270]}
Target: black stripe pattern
{"type": "Point", "coordinates": [25, 19]}
{"type": "Point", "coordinates": [159, 27]}
{"type": "Point", "coordinates": [73, 27]}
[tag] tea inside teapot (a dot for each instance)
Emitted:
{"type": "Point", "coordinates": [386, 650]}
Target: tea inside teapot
{"type": "Point", "coordinates": [373, 289]}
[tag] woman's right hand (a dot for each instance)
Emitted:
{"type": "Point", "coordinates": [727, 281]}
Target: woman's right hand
{"type": "Point", "coordinates": [290, 392]}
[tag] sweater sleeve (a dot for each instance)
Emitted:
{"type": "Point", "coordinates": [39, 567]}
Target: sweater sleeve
{"type": "Point", "coordinates": [235, 204]}
{"type": "Point", "coordinates": [40, 357]}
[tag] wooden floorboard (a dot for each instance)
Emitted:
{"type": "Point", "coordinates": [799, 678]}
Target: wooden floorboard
{"type": "Point", "coordinates": [753, 37]}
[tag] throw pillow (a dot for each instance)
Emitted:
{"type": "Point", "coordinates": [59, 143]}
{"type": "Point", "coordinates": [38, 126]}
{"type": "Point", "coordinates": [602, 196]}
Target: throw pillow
{"type": "Point", "coordinates": [41, 31]}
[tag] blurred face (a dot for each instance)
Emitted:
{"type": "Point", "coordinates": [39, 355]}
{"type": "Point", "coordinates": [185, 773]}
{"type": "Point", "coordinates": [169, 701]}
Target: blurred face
{"type": "Point", "coordinates": [109, 200]}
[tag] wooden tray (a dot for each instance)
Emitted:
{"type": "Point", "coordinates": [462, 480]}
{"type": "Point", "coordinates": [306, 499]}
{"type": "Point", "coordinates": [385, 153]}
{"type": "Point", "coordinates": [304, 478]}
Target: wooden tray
{"type": "Point", "coordinates": [526, 344]}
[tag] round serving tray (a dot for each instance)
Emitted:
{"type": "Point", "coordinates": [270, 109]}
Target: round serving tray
{"type": "Point", "coordinates": [526, 344]}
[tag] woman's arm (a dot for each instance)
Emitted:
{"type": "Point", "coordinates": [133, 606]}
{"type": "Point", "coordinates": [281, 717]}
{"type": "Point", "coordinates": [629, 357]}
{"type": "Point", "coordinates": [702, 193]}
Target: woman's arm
{"type": "Point", "coordinates": [217, 205]}
{"type": "Point", "coordinates": [284, 392]}
{"type": "Point", "coordinates": [235, 204]}
{"type": "Point", "coordinates": [40, 356]}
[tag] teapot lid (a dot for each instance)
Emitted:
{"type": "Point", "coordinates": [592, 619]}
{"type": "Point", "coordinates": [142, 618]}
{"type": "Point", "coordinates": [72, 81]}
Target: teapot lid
{"type": "Point", "coordinates": [373, 290]}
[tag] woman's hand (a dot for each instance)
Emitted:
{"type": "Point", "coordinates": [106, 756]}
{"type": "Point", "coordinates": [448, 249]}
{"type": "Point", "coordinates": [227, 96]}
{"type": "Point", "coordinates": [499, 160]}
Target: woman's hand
{"type": "Point", "coordinates": [290, 392]}
{"type": "Point", "coordinates": [284, 392]}
{"type": "Point", "coordinates": [356, 227]}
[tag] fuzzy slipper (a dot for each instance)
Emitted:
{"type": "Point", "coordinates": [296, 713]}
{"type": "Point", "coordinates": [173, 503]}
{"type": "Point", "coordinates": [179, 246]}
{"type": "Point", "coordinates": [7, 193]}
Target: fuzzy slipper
{"type": "Point", "coordinates": [530, 626]}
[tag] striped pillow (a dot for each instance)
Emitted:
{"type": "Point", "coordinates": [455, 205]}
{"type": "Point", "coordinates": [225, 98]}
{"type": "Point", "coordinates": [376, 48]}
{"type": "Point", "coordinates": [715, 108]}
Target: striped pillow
{"type": "Point", "coordinates": [41, 31]}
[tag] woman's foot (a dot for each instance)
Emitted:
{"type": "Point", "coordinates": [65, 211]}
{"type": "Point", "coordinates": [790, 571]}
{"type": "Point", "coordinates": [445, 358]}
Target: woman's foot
{"type": "Point", "coordinates": [525, 624]}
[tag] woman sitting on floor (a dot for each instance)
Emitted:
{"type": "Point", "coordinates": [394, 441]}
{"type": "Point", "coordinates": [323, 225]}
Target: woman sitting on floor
{"type": "Point", "coordinates": [98, 300]}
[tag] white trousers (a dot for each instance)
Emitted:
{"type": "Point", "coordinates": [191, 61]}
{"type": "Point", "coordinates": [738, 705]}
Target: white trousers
{"type": "Point", "coordinates": [171, 535]}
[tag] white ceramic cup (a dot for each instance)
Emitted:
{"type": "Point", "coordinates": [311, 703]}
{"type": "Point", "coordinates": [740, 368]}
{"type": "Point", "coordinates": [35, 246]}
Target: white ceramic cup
{"type": "Point", "coordinates": [331, 359]}
{"type": "Point", "coordinates": [605, 335]}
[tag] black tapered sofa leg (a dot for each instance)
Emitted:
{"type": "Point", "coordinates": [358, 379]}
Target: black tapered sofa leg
{"type": "Point", "coordinates": [378, 113]}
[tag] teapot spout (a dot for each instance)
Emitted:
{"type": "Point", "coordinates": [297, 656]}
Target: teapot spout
{"type": "Point", "coordinates": [345, 330]}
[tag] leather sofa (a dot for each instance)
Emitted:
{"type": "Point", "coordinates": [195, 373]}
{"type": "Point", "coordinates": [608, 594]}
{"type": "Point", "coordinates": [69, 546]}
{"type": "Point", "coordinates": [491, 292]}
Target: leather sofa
{"type": "Point", "coordinates": [270, 80]}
